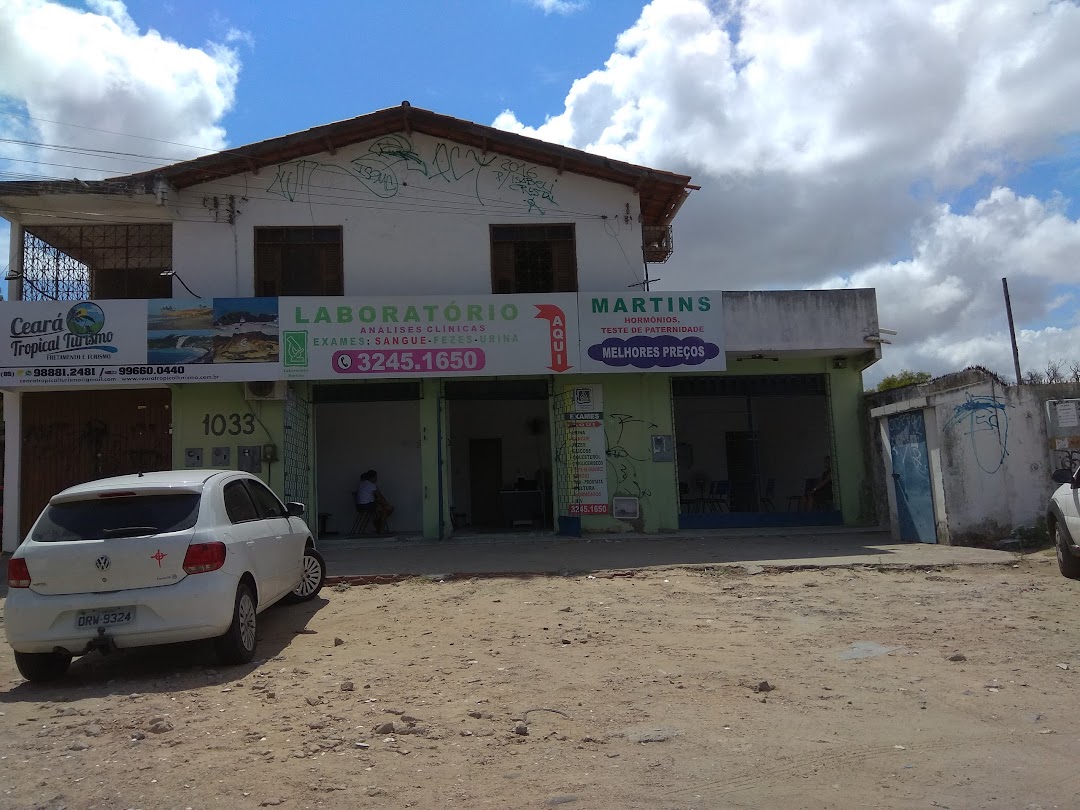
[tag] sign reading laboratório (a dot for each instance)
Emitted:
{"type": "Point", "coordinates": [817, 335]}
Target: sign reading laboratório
{"type": "Point", "coordinates": [671, 331]}
{"type": "Point", "coordinates": [431, 336]}
{"type": "Point", "coordinates": [78, 343]}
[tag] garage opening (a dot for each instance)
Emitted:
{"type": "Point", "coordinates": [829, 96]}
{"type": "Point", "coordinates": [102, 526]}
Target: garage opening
{"type": "Point", "coordinates": [368, 426]}
{"type": "Point", "coordinates": [70, 437]}
{"type": "Point", "coordinates": [499, 450]}
{"type": "Point", "coordinates": [754, 451]}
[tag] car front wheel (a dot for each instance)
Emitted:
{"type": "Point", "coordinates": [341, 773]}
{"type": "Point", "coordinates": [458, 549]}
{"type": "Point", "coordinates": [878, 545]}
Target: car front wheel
{"type": "Point", "coordinates": [42, 667]}
{"type": "Point", "coordinates": [311, 579]}
{"type": "Point", "coordinates": [1068, 564]}
{"type": "Point", "coordinates": [237, 646]}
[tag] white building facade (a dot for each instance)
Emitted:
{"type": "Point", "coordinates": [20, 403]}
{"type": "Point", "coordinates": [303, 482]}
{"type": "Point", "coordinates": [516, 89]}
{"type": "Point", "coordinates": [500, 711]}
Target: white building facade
{"type": "Point", "coordinates": [221, 313]}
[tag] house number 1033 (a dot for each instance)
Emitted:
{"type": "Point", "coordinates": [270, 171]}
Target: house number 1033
{"type": "Point", "coordinates": [218, 424]}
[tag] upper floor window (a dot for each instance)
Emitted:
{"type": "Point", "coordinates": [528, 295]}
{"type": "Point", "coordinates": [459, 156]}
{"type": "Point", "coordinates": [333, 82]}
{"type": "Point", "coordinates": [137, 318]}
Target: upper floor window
{"type": "Point", "coordinates": [533, 259]}
{"type": "Point", "coordinates": [298, 261]}
{"type": "Point", "coordinates": [75, 262]}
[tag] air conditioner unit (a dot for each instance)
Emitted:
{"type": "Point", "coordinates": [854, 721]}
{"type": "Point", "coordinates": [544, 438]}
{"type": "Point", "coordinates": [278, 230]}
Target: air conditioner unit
{"type": "Point", "coordinates": [264, 389]}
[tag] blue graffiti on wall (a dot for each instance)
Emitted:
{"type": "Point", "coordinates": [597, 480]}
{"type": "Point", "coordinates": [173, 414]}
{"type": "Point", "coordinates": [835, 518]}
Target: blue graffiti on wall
{"type": "Point", "coordinates": [984, 414]}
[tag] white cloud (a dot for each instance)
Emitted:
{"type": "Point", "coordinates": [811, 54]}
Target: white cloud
{"type": "Point", "coordinates": [558, 6]}
{"type": "Point", "coordinates": [825, 136]}
{"type": "Point", "coordinates": [947, 301]}
{"type": "Point", "coordinates": [96, 70]}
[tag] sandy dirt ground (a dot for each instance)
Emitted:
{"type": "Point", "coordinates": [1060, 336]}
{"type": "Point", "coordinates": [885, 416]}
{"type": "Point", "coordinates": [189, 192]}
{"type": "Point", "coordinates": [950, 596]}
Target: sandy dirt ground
{"type": "Point", "coordinates": [835, 688]}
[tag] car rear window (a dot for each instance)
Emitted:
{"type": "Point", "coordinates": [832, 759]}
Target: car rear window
{"type": "Point", "coordinates": [126, 516]}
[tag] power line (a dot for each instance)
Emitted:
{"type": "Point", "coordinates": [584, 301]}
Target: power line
{"type": "Point", "coordinates": [109, 132]}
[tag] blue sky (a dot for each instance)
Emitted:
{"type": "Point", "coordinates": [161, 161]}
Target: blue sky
{"type": "Point", "coordinates": [468, 59]}
{"type": "Point", "coordinates": [925, 148]}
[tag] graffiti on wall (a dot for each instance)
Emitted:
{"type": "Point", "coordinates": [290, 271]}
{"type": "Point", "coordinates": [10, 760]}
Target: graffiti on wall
{"type": "Point", "coordinates": [627, 449]}
{"type": "Point", "coordinates": [1068, 459]}
{"type": "Point", "coordinates": [393, 161]}
{"type": "Point", "coordinates": [987, 423]}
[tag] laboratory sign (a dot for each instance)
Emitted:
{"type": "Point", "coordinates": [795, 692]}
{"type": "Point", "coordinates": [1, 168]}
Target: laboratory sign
{"type": "Point", "coordinates": [676, 331]}
{"type": "Point", "coordinates": [431, 336]}
{"type": "Point", "coordinates": [78, 343]}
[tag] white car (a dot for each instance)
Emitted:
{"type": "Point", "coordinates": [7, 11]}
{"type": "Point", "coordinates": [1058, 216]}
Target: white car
{"type": "Point", "coordinates": [1063, 522]}
{"type": "Point", "coordinates": [155, 558]}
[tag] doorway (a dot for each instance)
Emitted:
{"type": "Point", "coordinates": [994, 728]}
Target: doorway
{"type": "Point", "coordinates": [485, 481]}
{"type": "Point", "coordinates": [70, 437]}
{"type": "Point", "coordinates": [748, 449]}
{"type": "Point", "coordinates": [368, 426]}
{"type": "Point", "coordinates": [911, 477]}
{"type": "Point", "coordinates": [500, 454]}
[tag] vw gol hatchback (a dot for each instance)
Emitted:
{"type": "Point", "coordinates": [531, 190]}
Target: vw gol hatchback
{"type": "Point", "coordinates": [151, 559]}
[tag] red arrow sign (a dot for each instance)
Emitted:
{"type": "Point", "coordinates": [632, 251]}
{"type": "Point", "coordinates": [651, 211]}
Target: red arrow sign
{"type": "Point", "coordinates": [556, 319]}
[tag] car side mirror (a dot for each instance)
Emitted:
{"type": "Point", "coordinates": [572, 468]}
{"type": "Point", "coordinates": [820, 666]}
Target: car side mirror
{"type": "Point", "coordinates": [1062, 476]}
{"type": "Point", "coordinates": [294, 509]}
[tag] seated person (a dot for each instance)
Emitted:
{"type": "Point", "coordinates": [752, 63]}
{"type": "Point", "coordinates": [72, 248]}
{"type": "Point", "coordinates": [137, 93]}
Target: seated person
{"type": "Point", "coordinates": [819, 494]}
{"type": "Point", "coordinates": [369, 498]}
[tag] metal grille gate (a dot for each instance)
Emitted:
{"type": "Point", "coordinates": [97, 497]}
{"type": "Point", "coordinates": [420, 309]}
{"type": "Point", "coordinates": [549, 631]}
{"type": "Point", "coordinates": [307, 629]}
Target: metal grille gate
{"type": "Point", "coordinates": [297, 451]}
{"type": "Point", "coordinates": [563, 477]}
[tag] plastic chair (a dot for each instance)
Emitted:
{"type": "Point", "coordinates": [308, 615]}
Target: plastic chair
{"type": "Point", "coordinates": [767, 499]}
{"type": "Point", "coordinates": [798, 499]}
{"type": "Point", "coordinates": [718, 495]}
{"type": "Point", "coordinates": [363, 517]}
{"type": "Point", "coordinates": [686, 501]}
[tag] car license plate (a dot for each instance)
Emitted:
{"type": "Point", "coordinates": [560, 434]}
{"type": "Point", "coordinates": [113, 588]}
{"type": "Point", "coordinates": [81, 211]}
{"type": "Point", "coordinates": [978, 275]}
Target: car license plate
{"type": "Point", "coordinates": [107, 617]}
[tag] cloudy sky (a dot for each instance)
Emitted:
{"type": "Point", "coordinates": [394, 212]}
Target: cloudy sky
{"type": "Point", "coordinates": [923, 148]}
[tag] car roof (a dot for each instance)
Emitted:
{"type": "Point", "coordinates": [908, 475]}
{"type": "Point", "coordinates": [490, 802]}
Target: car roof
{"type": "Point", "coordinates": [167, 479]}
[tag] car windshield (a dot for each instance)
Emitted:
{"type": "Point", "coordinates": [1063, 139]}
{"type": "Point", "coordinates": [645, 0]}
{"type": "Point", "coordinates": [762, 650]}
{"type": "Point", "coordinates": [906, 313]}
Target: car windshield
{"type": "Point", "coordinates": [126, 516]}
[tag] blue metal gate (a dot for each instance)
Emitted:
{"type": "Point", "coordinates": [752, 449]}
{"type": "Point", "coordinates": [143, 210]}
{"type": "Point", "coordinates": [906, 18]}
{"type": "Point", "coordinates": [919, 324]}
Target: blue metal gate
{"type": "Point", "coordinates": [911, 477]}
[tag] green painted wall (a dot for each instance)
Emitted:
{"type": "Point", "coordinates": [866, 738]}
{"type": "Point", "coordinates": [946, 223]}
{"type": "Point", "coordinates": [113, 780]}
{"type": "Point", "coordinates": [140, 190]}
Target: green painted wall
{"type": "Point", "coordinates": [849, 437]}
{"type": "Point", "coordinates": [192, 403]}
{"type": "Point", "coordinates": [636, 406]}
{"type": "Point", "coordinates": [430, 430]}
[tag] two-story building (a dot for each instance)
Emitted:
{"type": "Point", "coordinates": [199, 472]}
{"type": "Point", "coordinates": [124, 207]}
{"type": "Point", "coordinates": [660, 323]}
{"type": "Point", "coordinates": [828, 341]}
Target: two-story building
{"type": "Point", "coordinates": [462, 309]}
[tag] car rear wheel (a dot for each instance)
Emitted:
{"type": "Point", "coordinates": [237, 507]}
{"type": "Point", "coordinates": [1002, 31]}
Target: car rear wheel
{"type": "Point", "coordinates": [41, 667]}
{"type": "Point", "coordinates": [311, 579]}
{"type": "Point", "coordinates": [1068, 564]}
{"type": "Point", "coordinates": [237, 646]}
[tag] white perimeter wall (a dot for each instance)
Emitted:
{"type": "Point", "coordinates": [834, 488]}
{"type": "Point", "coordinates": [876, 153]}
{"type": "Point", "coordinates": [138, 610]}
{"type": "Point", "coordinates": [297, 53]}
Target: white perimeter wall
{"type": "Point", "coordinates": [416, 226]}
{"type": "Point", "coordinates": [357, 436]}
{"type": "Point", "coordinates": [996, 461]}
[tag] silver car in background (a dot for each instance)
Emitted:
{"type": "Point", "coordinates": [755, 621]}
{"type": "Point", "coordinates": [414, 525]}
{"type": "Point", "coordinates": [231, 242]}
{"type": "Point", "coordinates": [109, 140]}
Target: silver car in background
{"type": "Point", "coordinates": [1063, 521]}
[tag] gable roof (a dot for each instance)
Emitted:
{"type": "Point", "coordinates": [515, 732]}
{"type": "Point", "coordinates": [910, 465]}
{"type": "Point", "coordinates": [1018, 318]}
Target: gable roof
{"type": "Point", "coordinates": [661, 193]}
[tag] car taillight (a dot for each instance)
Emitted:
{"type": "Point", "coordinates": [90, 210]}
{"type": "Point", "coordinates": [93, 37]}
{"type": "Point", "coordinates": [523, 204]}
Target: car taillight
{"type": "Point", "coordinates": [203, 557]}
{"type": "Point", "coordinates": [18, 575]}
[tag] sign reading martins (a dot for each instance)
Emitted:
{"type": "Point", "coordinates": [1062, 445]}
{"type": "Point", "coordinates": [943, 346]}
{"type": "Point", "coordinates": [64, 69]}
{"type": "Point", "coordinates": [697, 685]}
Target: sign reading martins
{"type": "Point", "coordinates": [677, 331]}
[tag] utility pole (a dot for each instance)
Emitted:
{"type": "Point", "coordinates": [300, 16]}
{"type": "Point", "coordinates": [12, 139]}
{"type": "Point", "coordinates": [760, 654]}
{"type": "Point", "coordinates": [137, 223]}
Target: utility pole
{"type": "Point", "coordinates": [1012, 331]}
{"type": "Point", "coordinates": [644, 284]}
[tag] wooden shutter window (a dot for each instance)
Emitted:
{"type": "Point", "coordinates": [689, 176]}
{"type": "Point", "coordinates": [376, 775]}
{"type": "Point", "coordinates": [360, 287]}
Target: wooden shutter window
{"type": "Point", "coordinates": [299, 261]}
